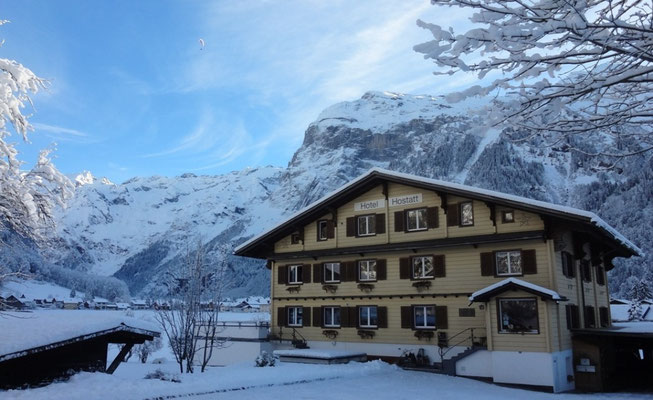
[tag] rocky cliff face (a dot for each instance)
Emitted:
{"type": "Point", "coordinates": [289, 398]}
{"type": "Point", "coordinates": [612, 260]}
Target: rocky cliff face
{"type": "Point", "coordinates": [140, 229]}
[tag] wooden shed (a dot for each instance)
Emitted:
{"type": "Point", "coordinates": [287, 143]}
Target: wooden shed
{"type": "Point", "coordinates": [41, 346]}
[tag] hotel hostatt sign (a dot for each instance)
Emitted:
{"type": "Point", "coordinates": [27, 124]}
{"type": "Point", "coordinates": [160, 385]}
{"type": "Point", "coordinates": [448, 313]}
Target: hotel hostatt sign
{"type": "Point", "coordinates": [399, 201]}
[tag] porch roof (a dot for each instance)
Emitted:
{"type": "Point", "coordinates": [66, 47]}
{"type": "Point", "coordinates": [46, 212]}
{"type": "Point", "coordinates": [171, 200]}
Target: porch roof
{"type": "Point", "coordinates": [488, 292]}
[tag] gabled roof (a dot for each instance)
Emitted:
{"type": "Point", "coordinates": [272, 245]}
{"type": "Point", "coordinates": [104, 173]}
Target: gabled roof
{"type": "Point", "coordinates": [262, 245]}
{"type": "Point", "coordinates": [488, 292]}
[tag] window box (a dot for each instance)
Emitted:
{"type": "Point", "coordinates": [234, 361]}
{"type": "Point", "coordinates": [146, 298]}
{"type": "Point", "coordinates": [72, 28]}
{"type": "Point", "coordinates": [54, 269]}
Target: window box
{"type": "Point", "coordinates": [330, 288]}
{"type": "Point", "coordinates": [330, 333]}
{"type": "Point", "coordinates": [293, 289]}
{"type": "Point", "coordinates": [422, 285]}
{"type": "Point", "coordinates": [421, 334]}
{"type": "Point", "coordinates": [518, 315]}
{"type": "Point", "coordinates": [366, 334]}
{"type": "Point", "coordinates": [366, 287]}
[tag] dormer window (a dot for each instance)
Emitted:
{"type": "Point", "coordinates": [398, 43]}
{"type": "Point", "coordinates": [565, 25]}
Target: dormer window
{"type": "Point", "coordinates": [322, 230]}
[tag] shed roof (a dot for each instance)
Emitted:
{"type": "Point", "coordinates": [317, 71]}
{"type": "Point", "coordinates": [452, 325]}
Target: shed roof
{"type": "Point", "coordinates": [259, 246]}
{"type": "Point", "coordinates": [26, 333]}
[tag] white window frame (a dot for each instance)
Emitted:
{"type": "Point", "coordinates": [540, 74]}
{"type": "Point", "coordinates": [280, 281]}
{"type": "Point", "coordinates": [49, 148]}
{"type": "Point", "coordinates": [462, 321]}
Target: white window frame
{"type": "Point", "coordinates": [460, 211]}
{"type": "Point", "coordinates": [367, 218]}
{"type": "Point", "coordinates": [508, 254]}
{"type": "Point", "coordinates": [321, 238]}
{"type": "Point", "coordinates": [368, 323]}
{"type": "Point", "coordinates": [424, 310]}
{"type": "Point", "coordinates": [296, 315]}
{"type": "Point", "coordinates": [367, 264]}
{"type": "Point", "coordinates": [331, 310]}
{"type": "Point", "coordinates": [327, 272]}
{"type": "Point", "coordinates": [424, 222]}
{"type": "Point", "coordinates": [501, 315]}
{"type": "Point", "coordinates": [293, 275]}
{"type": "Point", "coordinates": [421, 274]}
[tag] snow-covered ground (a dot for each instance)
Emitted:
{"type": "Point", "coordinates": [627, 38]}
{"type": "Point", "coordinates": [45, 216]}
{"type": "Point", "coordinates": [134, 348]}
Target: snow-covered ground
{"type": "Point", "coordinates": [374, 379]}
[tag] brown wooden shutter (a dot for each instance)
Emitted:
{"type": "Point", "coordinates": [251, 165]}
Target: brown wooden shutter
{"type": "Point", "coordinates": [487, 264]}
{"type": "Point", "coordinates": [452, 215]}
{"type": "Point", "coordinates": [438, 266]}
{"type": "Point", "coordinates": [318, 313]}
{"type": "Point", "coordinates": [600, 277]}
{"type": "Point", "coordinates": [529, 262]}
{"type": "Point", "coordinates": [404, 268]}
{"type": "Point", "coordinates": [380, 223]}
{"type": "Point", "coordinates": [407, 317]}
{"type": "Point", "coordinates": [331, 231]}
{"type": "Point", "coordinates": [571, 265]}
{"type": "Point", "coordinates": [603, 317]}
{"type": "Point", "coordinates": [351, 226]}
{"type": "Point", "coordinates": [306, 273]}
{"type": "Point", "coordinates": [353, 316]}
{"type": "Point", "coordinates": [585, 270]}
{"type": "Point", "coordinates": [382, 317]}
{"type": "Point", "coordinates": [590, 318]}
{"type": "Point", "coordinates": [568, 315]}
{"type": "Point", "coordinates": [283, 275]}
{"type": "Point", "coordinates": [344, 317]}
{"type": "Point", "coordinates": [352, 271]}
{"type": "Point", "coordinates": [441, 320]}
{"type": "Point", "coordinates": [281, 316]}
{"type": "Point", "coordinates": [306, 316]}
{"type": "Point", "coordinates": [575, 316]}
{"type": "Point", "coordinates": [317, 273]}
{"type": "Point", "coordinates": [432, 217]}
{"type": "Point", "coordinates": [381, 270]}
{"type": "Point", "coordinates": [399, 221]}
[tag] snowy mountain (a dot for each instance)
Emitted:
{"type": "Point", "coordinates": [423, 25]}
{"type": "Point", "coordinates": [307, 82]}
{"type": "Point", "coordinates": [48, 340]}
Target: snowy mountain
{"type": "Point", "coordinates": [140, 229]}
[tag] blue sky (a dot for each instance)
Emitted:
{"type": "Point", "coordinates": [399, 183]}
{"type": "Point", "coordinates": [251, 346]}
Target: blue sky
{"type": "Point", "coordinates": [133, 93]}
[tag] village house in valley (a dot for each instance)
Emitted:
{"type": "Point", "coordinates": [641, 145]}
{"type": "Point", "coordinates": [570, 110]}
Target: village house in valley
{"type": "Point", "coordinates": [497, 286]}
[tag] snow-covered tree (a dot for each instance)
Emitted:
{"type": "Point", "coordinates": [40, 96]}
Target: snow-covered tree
{"type": "Point", "coordinates": [641, 290]}
{"type": "Point", "coordinates": [558, 68]}
{"type": "Point", "coordinates": [635, 311]}
{"type": "Point", "coordinates": [26, 196]}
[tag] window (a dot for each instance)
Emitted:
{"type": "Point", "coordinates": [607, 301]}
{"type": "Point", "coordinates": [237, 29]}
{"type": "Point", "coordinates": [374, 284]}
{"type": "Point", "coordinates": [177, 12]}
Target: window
{"type": "Point", "coordinates": [573, 320]}
{"type": "Point", "coordinates": [416, 220]}
{"type": "Point", "coordinates": [367, 317]}
{"type": "Point", "coordinates": [367, 270]}
{"type": "Point", "coordinates": [600, 276]}
{"type": "Point", "coordinates": [568, 264]}
{"type": "Point", "coordinates": [507, 216]}
{"type": "Point", "coordinates": [603, 317]}
{"type": "Point", "coordinates": [295, 316]}
{"type": "Point", "coordinates": [466, 214]}
{"type": "Point", "coordinates": [590, 318]}
{"type": "Point", "coordinates": [295, 238]}
{"type": "Point", "coordinates": [331, 272]}
{"type": "Point", "coordinates": [518, 316]}
{"type": "Point", "coordinates": [322, 230]}
{"type": "Point", "coordinates": [424, 317]}
{"type": "Point", "coordinates": [509, 262]}
{"type": "Point", "coordinates": [366, 225]}
{"type": "Point", "coordinates": [332, 317]}
{"type": "Point", "coordinates": [423, 268]}
{"type": "Point", "coordinates": [295, 274]}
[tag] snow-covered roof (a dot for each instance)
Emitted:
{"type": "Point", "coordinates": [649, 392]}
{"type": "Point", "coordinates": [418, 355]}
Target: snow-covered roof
{"type": "Point", "coordinates": [513, 283]}
{"type": "Point", "coordinates": [22, 332]}
{"type": "Point", "coordinates": [458, 189]}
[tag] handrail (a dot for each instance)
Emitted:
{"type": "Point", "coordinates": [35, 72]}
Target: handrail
{"type": "Point", "coordinates": [294, 337]}
{"type": "Point", "coordinates": [451, 346]}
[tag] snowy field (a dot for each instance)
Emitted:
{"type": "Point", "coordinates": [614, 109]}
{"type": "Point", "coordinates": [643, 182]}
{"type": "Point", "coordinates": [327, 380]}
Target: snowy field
{"type": "Point", "coordinates": [373, 380]}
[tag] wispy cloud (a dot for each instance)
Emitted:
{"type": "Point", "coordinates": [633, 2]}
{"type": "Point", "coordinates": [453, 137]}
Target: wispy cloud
{"type": "Point", "coordinates": [58, 130]}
